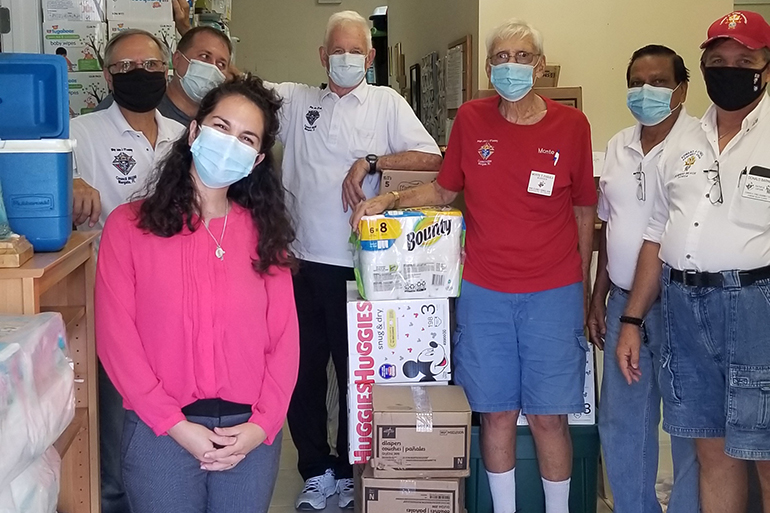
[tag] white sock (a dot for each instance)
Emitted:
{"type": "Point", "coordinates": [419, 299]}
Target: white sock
{"type": "Point", "coordinates": [556, 496]}
{"type": "Point", "coordinates": [503, 488]}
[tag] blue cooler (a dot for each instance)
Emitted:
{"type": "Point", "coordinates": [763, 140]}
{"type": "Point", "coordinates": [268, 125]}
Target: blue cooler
{"type": "Point", "coordinates": [36, 159]}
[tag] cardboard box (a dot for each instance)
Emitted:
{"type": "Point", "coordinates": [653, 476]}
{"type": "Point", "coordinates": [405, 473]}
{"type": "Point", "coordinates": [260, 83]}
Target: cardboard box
{"type": "Point", "coordinates": [442, 495]}
{"type": "Point", "coordinates": [140, 10]}
{"type": "Point", "coordinates": [588, 416]}
{"type": "Point", "coordinates": [80, 43]}
{"type": "Point", "coordinates": [380, 352]}
{"type": "Point", "coordinates": [550, 76]}
{"type": "Point", "coordinates": [394, 180]}
{"type": "Point", "coordinates": [86, 90]}
{"type": "Point", "coordinates": [74, 10]}
{"type": "Point", "coordinates": [420, 432]}
{"type": "Point", "coordinates": [398, 341]}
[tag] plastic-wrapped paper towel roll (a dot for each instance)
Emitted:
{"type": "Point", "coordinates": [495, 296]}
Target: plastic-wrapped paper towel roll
{"type": "Point", "coordinates": [36, 490]}
{"type": "Point", "coordinates": [37, 390]}
{"type": "Point", "coordinates": [410, 254]}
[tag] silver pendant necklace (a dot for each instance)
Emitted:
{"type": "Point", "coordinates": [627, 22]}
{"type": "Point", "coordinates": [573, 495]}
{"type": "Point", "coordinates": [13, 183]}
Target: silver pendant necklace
{"type": "Point", "coordinates": [220, 253]}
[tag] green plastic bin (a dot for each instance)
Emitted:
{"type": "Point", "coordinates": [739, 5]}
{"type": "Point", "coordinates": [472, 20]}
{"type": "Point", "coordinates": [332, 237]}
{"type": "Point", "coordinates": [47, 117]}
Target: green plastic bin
{"type": "Point", "coordinates": [529, 487]}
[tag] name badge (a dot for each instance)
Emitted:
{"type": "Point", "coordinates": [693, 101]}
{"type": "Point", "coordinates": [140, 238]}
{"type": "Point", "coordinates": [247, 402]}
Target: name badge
{"type": "Point", "coordinates": [541, 183]}
{"type": "Point", "coordinates": [757, 187]}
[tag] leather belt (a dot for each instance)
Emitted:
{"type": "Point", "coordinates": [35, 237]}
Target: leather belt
{"type": "Point", "coordinates": [697, 279]}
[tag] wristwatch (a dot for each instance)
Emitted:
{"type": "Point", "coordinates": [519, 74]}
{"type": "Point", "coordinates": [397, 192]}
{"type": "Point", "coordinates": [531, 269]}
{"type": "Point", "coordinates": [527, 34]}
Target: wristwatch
{"type": "Point", "coordinates": [636, 321]}
{"type": "Point", "coordinates": [372, 159]}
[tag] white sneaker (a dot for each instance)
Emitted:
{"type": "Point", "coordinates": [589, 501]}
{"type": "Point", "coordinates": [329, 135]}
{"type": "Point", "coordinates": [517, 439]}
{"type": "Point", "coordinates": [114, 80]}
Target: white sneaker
{"type": "Point", "coordinates": [316, 490]}
{"type": "Point", "coordinates": [347, 495]}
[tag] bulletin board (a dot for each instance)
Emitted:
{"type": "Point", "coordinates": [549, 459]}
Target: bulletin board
{"type": "Point", "coordinates": [459, 74]}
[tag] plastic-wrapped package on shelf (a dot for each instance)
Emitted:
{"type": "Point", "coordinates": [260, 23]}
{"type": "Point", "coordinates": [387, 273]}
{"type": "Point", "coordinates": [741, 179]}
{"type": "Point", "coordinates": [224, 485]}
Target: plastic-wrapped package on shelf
{"type": "Point", "coordinates": [37, 396]}
{"type": "Point", "coordinates": [36, 490]}
{"type": "Point", "coordinates": [410, 254]}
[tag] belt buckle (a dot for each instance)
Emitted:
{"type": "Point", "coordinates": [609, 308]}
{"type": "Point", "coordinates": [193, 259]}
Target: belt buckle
{"type": "Point", "coordinates": [690, 282]}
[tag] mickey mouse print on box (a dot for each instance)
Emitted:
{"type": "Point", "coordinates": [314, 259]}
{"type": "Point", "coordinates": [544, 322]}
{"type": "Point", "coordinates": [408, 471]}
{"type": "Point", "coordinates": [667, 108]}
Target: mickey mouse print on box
{"type": "Point", "coordinates": [398, 341]}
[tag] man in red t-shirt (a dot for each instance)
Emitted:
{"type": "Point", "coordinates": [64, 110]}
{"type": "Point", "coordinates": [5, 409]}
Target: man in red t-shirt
{"type": "Point", "coordinates": [524, 163]}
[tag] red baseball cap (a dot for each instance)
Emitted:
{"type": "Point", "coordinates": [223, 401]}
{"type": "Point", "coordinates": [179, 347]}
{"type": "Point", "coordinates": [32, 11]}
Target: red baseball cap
{"type": "Point", "coordinates": [748, 28]}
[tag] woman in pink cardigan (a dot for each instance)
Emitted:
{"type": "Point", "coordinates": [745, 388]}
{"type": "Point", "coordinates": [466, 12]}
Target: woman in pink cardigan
{"type": "Point", "coordinates": [195, 317]}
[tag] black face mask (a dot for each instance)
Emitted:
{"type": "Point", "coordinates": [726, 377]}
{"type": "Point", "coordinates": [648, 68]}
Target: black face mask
{"type": "Point", "coordinates": [139, 90]}
{"type": "Point", "coordinates": [733, 88]}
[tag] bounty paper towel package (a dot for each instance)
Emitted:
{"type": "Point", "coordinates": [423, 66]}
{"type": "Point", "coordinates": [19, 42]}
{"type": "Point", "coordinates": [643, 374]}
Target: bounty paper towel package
{"type": "Point", "coordinates": [86, 90]}
{"type": "Point", "coordinates": [80, 43]}
{"type": "Point", "coordinates": [74, 10]}
{"type": "Point", "coordinates": [588, 415]}
{"type": "Point", "coordinates": [147, 10]}
{"type": "Point", "coordinates": [405, 254]}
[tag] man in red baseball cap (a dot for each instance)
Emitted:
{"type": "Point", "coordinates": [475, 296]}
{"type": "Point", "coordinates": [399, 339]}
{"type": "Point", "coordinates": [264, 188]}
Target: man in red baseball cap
{"type": "Point", "coordinates": [707, 252]}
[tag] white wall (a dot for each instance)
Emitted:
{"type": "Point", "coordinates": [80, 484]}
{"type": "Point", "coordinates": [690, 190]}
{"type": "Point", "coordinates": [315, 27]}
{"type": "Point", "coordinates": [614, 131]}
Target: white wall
{"type": "Point", "coordinates": [592, 40]}
{"type": "Point", "coordinates": [280, 38]}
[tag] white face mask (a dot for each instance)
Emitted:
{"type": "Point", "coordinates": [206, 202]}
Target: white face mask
{"type": "Point", "coordinates": [347, 69]}
{"type": "Point", "coordinates": [201, 77]}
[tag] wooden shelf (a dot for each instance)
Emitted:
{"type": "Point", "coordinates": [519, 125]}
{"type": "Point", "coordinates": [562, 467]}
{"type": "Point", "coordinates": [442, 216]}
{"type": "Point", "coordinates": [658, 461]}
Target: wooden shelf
{"type": "Point", "coordinates": [71, 314]}
{"type": "Point", "coordinates": [78, 424]}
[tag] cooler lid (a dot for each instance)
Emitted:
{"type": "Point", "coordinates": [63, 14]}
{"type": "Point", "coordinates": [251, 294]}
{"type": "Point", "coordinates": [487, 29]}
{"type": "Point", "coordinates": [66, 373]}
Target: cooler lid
{"type": "Point", "coordinates": [38, 146]}
{"type": "Point", "coordinates": [34, 100]}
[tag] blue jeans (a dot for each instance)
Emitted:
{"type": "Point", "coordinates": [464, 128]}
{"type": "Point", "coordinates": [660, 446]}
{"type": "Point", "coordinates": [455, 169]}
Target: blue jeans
{"type": "Point", "coordinates": [521, 351]}
{"type": "Point", "coordinates": [162, 477]}
{"type": "Point", "coordinates": [716, 361]}
{"type": "Point", "coordinates": [629, 417]}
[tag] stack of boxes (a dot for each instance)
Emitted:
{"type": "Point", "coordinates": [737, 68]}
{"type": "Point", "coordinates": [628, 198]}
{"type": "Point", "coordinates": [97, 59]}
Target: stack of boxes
{"type": "Point", "coordinates": [78, 31]}
{"type": "Point", "coordinates": [409, 436]}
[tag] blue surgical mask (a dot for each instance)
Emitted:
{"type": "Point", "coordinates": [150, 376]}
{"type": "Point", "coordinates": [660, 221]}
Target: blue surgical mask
{"type": "Point", "coordinates": [347, 70]}
{"type": "Point", "coordinates": [201, 77]}
{"type": "Point", "coordinates": [221, 159]}
{"type": "Point", "coordinates": [512, 81]}
{"type": "Point", "coordinates": [650, 105]}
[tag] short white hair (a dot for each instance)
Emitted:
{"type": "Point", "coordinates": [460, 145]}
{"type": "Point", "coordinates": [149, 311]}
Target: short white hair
{"type": "Point", "coordinates": [514, 28]}
{"type": "Point", "coordinates": [347, 18]}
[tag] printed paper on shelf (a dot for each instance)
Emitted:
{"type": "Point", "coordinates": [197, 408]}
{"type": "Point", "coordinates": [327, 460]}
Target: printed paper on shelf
{"type": "Point", "coordinates": [74, 10]}
{"type": "Point", "coordinates": [136, 10]}
{"type": "Point", "coordinates": [80, 43]}
{"type": "Point", "coordinates": [390, 342]}
{"type": "Point", "coordinates": [405, 254]}
{"type": "Point", "coordinates": [588, 416]}
{"type": "Point", "coordinates": [86, 91]}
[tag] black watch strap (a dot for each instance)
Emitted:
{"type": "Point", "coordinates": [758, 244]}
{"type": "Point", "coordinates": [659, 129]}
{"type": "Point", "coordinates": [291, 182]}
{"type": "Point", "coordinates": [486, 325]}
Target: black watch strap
{"type": "Point", "coordinates": [636, 321]}
{"type": "Point", "coordinates": [372, 160]}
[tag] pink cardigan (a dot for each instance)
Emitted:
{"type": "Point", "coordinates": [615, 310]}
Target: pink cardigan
{"type": "Point", "coordinates": [174, 324]}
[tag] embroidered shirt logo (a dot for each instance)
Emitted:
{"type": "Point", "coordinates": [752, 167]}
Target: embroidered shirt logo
{"type": "Point", "coordinates": [311, 116]}
{"type": "Point", "coordinates": [689, 159]}
{"type": "Point", "coordinates": [486, 151]}
{"type": "Point", "coordinates": [556, 154]}
{"type": "Point", "coordinates": [124, 163]}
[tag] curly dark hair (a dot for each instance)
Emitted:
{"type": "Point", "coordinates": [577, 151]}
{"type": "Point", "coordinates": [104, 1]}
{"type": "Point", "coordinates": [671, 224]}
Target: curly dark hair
{"type": "Point", "coordinates": [170, 201]}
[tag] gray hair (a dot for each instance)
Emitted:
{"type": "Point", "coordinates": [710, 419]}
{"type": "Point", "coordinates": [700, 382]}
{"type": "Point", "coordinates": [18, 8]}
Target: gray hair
{"type": "Point", "coordinates": [514, 28]}
{"type": "Point", "coordinates": [347, 18]}
{"type": "Point", "coordinates": [117, 38]}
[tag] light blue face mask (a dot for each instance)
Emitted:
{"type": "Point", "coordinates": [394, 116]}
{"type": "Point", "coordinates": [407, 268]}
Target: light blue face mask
{"type": "Point", "coordinates": [512, 81]}
{"type": "Point", "coordinates": [650, 105]}
{"type": "Point", "coordinates": [221, 159]}
{"type": "Point", "coordinates": [347, 70]}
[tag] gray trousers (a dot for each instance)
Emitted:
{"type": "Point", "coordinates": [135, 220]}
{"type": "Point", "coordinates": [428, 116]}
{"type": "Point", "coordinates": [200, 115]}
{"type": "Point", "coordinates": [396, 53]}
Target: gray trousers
{"type": "Point", "coordinates": [162, 477]}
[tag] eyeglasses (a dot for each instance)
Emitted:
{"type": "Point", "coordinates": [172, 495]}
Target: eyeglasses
{"type": "Point", "coordinates": [519, 57]}
{"type": "Point", "coordinates": [715, 192]}
{"type": "Point", "coordinates": [127, 65]}
{"type": "Point", "coordinates": [641, 185]}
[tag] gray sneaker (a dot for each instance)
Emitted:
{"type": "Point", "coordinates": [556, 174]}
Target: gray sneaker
{"type": "Point", "coordinates": [316, 490]}
{"type": "Point", "coordinates": [345, 489]}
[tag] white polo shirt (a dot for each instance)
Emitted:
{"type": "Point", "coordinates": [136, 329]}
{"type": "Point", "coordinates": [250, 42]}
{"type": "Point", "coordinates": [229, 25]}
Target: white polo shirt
{"type": "Point", "coordinates": [324, 135]}
{"type": "Point", "coordinates": [625, 200]}
{"type": "Point", "coordinates": [696, 234]}
{"type": "Point", "coordinates": [114, 158]}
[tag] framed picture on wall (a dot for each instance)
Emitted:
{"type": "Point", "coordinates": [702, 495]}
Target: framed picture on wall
{"type": "Point", "coordinates": [414, 81]}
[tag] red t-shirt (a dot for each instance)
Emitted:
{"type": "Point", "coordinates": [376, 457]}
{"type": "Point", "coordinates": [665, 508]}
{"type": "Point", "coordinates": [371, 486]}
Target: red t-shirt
{"type": "Point", "coordinates": [520, 184]}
